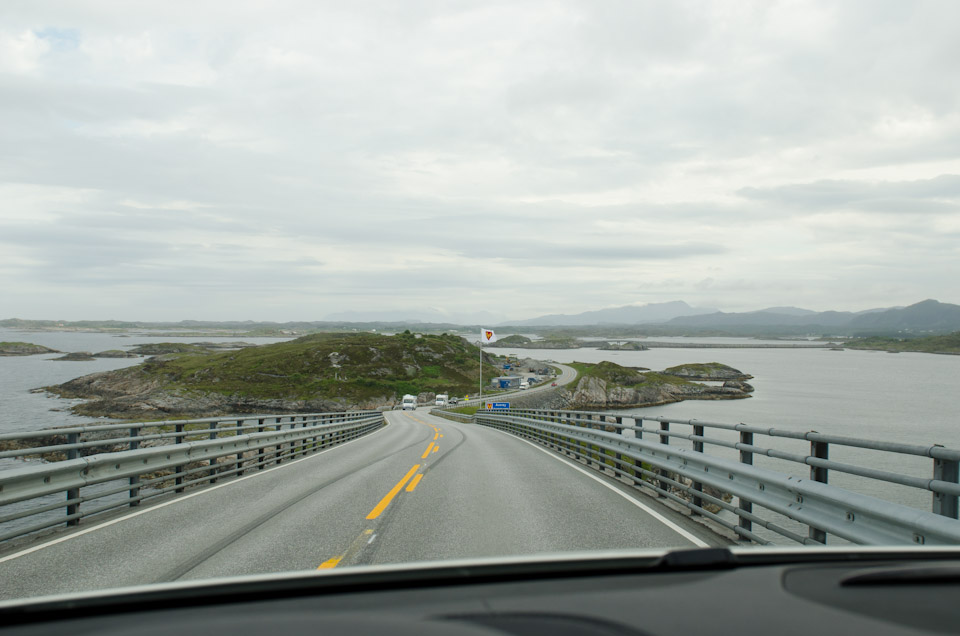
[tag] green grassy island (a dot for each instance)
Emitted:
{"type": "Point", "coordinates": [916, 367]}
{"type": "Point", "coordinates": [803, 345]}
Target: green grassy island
{"type": "Point", "coordinates": [319, 372]}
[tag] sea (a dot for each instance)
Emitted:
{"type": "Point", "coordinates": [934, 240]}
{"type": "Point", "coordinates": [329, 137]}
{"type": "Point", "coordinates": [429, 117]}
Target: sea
{"type": "Point", "coordinates": [910, 398]}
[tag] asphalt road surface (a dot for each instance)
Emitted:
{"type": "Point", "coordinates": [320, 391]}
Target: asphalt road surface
{"type": "Point", "coordinates": [422, 488]}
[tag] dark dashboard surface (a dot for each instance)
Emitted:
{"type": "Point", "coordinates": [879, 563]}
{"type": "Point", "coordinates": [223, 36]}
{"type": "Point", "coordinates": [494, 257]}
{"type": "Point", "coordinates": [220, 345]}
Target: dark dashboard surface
{"type": "Point", "coordinates": [878, 595]}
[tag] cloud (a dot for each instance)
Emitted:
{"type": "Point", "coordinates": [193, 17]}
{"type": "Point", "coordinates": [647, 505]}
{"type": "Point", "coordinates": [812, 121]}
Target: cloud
{"type": "Point", "coordinates": [560, 156]}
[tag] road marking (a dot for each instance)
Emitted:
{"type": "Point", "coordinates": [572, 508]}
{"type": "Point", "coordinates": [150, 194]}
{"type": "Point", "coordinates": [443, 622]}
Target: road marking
{"type": "Point", "coordinates": [436, 448]}
{"type": "Point", "coordinates": [653, 513]}
{"type": "Point", "coordinates": [427, 452]}
{"type": "Point", "coordinates": [158, 506]}
{"type": "Point", "coordinates": [380, 507]}
{"type": "Point", "coordinates": [436, 435]}
{"type": "Point", "coordinates": [414, 482]}
{"type": "Point", "coordinates": [329, 563]}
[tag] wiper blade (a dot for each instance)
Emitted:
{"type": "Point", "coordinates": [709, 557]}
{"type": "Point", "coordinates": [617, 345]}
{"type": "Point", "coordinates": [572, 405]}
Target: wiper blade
{"type": "Point", "coordinates": [697, 558]}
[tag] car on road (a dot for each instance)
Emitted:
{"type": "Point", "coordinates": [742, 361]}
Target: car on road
{"type": "Point", "coordinates": [454, 400]}
{"type": "Point", "coordinates": [553, 384]}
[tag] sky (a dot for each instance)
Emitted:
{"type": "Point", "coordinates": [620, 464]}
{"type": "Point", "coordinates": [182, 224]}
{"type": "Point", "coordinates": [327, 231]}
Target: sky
{"type": "Point", "coordinates": [291, 160]}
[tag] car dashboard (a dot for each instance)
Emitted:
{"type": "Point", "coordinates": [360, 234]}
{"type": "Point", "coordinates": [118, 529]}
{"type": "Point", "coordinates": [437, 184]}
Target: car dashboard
{"type": "Point", "coordinates": [710, 591]}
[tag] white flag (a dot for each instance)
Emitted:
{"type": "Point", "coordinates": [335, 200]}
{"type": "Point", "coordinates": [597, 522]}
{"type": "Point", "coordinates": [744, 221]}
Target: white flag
{"type": "Point", "coordinates": [487, 336]}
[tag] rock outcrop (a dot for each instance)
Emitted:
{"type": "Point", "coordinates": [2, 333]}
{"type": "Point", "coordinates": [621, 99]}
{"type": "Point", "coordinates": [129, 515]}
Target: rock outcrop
{"type": "Point", "coordinates": [23, 349]}
{"type": "Point", "coordinates": [78, 356]}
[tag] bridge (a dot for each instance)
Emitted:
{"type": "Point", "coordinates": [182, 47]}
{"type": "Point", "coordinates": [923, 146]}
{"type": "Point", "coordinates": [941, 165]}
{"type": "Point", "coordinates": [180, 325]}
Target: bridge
{"type": "Point", "coordinates": [128, 504]}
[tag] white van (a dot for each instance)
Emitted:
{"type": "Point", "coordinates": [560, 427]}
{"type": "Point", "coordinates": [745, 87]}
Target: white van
{"type": "Point", "coordinates": [409, 402]}
{"type": "Point", "coordinates": [523, 385]}
{"type": "Point", "coordinates": [442, 399]}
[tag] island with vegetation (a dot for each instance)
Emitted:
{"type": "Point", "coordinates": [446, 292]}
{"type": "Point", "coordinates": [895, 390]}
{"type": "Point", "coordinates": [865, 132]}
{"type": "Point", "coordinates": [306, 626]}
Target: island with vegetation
{"type": "Point", "coordinates": [945, 344]}
{"type": "Point", "coordinates": [624, 346]}
{"type": "Point", "coordinates": [23, 349]}
{"type": "Point", "coordinates": [606, 385]}
{"type": "Point", "coordinates": [550, 342]}
{"type": "Point", "coordinates": [320, 372]}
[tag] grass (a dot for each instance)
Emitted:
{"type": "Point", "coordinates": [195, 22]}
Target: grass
{"type": "Point", "coordinates": [345, 366]}
{"type": "Point", "coordinates": [949, 343]}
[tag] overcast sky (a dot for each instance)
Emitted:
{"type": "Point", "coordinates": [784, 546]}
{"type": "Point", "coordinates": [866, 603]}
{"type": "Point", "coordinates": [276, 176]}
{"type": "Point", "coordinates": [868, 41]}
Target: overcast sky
{"type": "Point", "coordinates": [291, 160]}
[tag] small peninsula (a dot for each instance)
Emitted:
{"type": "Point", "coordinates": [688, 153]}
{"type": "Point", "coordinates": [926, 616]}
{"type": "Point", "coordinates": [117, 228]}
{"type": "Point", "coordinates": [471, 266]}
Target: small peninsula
{"type": "Point", "coordinates": [23, 349]}
{"type": "Point", "coordinates": [606, 385]}
{"type": "Point", "coordinates": [320, 372]}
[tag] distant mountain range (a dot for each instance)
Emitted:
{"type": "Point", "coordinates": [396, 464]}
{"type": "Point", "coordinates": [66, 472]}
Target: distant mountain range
{"type": "Point", "coordinates": [928, 316]}
{"type": "Point", "coordinates": [925, 316]}
{"type": "Point", "coordinates": [627, 315]}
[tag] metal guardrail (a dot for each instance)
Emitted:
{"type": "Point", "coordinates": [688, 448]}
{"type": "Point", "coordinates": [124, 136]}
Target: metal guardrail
{"type": "Point", "coordinates": [616, 443]}
{"type": "Point", "coordinates": [151, 459]}
{"type": "Point", "coordinates": [452, 415]}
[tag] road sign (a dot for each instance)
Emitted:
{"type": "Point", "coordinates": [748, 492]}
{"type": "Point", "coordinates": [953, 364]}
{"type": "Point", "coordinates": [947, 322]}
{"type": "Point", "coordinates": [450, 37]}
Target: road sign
{"type": "Point", "coordinates": [498, 405]}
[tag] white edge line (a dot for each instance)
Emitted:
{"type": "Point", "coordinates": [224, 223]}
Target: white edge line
{"type": "Point", "coordinates": [653, 513]}
{"type": "Point", "coordinates": [37, 548]}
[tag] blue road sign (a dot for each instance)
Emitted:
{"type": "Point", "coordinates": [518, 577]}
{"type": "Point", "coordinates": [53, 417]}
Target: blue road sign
{"type": "Point", "coordinates": [501, 405]}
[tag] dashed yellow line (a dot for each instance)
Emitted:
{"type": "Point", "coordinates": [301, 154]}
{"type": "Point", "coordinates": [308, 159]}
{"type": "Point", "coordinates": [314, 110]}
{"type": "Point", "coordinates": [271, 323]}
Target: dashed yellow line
{"type": "Point", "coordinates": [414, 482]}
{"type": "Point", "coordinates": [380, 507]}
{"type": "Point", "coordinates": [427, 452]}
{"type": "Point", "coordinates": [436, 448]}
{"type": "Point", "coordinates": [436, 435]}
{"type": "Point", "coordinates": [329, 563]}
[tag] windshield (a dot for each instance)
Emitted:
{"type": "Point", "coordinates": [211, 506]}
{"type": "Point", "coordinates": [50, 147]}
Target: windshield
{"type": "Point", "coordinates": [300, 286]}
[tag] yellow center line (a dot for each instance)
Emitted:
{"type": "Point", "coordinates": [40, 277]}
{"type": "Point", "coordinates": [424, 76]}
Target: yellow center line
{"type": "Point", "coordinates": [427, 452]}
{"type": "Point", "coordinates": [393, 493]}
{"type": "Point", "coordinates": [436, 448]}
{"type": "Point", "coordinates": [329, 563]}
{"type": "Point", "coordinates": [414, 482]}
{"type": "Point", "coordinates": [436, 435]}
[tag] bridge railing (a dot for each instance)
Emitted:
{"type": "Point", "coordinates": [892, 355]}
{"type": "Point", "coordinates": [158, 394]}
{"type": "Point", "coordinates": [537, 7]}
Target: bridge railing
{"type": "Point", "coordinates": [88, 470]}
{"type": "Point", "coordinates": [645, 450]}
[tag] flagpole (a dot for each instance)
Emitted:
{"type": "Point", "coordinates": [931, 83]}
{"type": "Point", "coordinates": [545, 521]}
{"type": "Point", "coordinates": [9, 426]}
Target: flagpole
{"type": "Point", "coordinates": [481, 371]}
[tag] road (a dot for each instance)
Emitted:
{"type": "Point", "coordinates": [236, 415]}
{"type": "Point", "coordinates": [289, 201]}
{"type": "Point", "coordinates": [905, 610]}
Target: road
{"type": "Point", "coordinates": [422, 488]}
{"type": "Point", "coordinates": [567, 375]}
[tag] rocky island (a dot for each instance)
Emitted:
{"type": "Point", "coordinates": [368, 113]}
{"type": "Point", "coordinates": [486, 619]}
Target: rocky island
{"type": "Point", "coordinates": [320, 372]}
{"type": "Point", "coordinates": [607, 385]}
{"type": "Point", "coordinates": [551, 342]}
{"type": "Point", "coordinates": [23, 349]}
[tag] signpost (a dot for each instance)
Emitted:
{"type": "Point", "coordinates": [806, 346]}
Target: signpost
{"type": "Point", "coordinates": [498, 405]}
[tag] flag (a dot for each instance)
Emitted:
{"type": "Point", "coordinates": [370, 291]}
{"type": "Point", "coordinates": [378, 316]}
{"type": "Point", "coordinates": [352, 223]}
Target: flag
{"type": "Point", "coordinates": [487, 336]}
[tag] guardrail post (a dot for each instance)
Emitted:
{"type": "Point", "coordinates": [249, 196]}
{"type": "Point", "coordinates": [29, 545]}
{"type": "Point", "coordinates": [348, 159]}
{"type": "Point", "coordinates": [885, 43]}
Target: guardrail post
{"type": "Point", "coordinates": [664, 439]}
{"type": "Point", "coordinates": [698, 448]}
{"type": "Point", "coordinates": [260, 451]}
{"type": "Point", "coordinates": [178, 471]}
{"type": "Point", "coordinates": [820, 450]}
{"type": "Point", "coordinates": [213, 462]}
{"type": "Point", "coordinates": [946, 470]}
{"type": "Point", "coordinates": [617, 459]}
{"type": "Point", "coordinates": [746, 457]}
{"type": "Point", "coordinates": [240, 453]}
{"type": "Point", "coordinates": [135, 480]}
{"type": "Point", "coordinates": [73, 493]}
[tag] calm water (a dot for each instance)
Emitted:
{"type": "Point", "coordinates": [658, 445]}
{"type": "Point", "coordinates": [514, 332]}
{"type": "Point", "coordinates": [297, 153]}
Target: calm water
{"type": "Point", "coordinates": [912, 398]}
{"type": "Point", "coordinates": [21, 410]}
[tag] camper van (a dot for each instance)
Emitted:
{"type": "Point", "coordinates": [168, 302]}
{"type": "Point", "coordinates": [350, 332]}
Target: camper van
{"type": "Point", "coordinates": [442, 399]}
{"type": "Point", "coordinates": [409, 402]}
